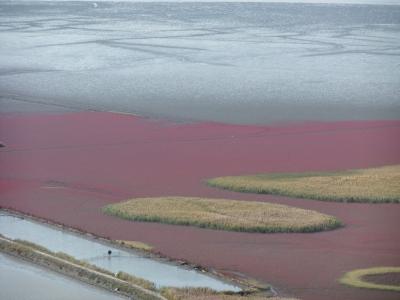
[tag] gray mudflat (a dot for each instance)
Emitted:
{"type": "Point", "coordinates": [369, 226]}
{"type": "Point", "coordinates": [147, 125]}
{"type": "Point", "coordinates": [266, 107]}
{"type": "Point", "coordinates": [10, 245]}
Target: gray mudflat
{"type": "Point", "coordinates": [233, 62]}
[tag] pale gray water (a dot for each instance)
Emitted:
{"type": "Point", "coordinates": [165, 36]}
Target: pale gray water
{"type": "Point", "coordinates": [162, 274]}
{"type": "Point", "coordinates": [22, 281]}
{"type": "Point", "coordinates": [234, 62]}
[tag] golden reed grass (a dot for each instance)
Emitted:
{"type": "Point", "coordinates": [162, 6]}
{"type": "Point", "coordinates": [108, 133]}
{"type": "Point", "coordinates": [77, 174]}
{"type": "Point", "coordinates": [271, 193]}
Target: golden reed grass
{"type": "Point", "coordinates": [224, 214]}
{"type": "Point", "coordinates": [374, 185]}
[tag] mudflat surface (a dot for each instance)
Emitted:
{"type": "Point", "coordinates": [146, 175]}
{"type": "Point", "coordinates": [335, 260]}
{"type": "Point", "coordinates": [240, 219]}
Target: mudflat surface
{"type": "Point", "coordinates": [231, 62]}
{"type": "Point", "coordinates": [66, 166]}
{"type": "Point", "coordinates": [386, 279]}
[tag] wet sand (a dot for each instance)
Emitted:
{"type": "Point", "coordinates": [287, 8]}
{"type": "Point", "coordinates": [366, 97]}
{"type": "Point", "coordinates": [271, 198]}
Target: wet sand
{"type": "Point", "coordinates": [66, 166]}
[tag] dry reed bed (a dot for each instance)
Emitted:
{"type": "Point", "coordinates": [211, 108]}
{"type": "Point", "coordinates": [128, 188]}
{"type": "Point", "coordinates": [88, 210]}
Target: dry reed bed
{"type": "Point", "coordinates": [374, 185]}
{"type": "Point", "coordinates": [207, 294]}
{"type": "Point", "coordinates": [223, 214]}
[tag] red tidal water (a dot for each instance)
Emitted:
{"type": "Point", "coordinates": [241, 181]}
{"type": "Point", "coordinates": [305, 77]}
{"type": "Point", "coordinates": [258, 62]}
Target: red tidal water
{"type": "Point", "coordinates": [64, 167]}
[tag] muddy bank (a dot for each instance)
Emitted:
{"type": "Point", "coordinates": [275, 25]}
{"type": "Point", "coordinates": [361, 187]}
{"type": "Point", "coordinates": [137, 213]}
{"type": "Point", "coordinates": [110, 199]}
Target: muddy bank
{"type": "Point", "coordinates": [74, 270]}
{"type": "Point", "coordinates": [110, 256]}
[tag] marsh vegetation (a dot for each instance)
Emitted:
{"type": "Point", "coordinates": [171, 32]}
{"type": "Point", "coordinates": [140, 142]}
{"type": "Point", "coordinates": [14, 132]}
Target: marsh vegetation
{"type": "Point", "coordinates": [223, 214]}
{"type": "Point", "coordinates": [374, 185]}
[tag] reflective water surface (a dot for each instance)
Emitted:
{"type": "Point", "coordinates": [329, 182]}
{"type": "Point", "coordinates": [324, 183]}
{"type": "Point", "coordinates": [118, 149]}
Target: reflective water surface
{"type": "Point", "coordinates": [233, 62]}
{"type": "Point", "coordinates": [20, 280]}
{"type": "Point", "coordinates": [162, 274]}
